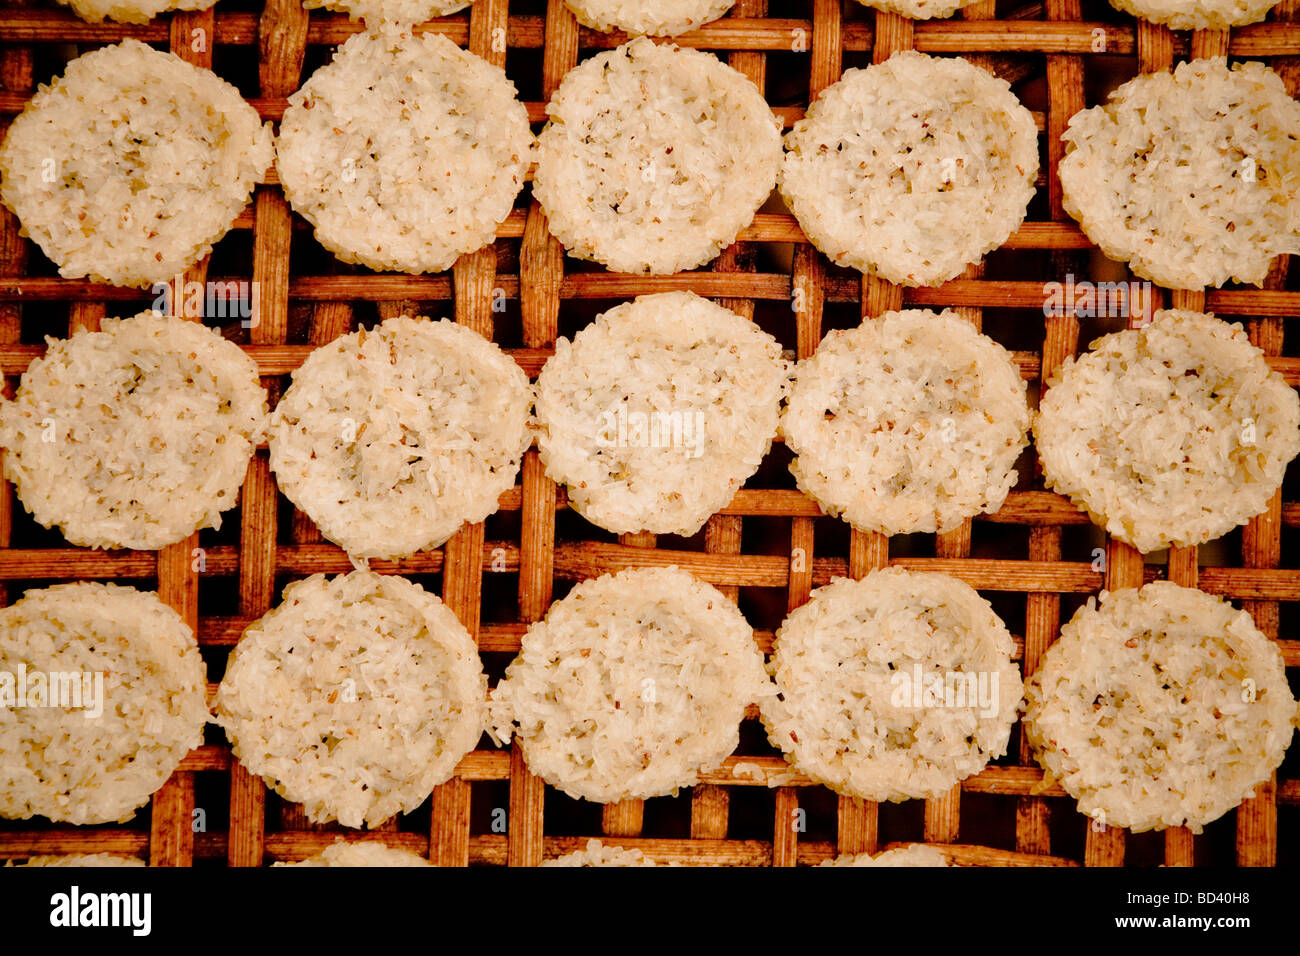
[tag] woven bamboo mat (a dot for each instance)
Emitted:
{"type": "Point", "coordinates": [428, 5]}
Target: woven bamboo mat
{"type": "Point", "coordinates": [1037, 559]}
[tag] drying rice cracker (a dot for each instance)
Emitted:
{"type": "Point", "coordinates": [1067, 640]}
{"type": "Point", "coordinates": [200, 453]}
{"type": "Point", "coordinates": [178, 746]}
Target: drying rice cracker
{"type": "Point", "coordinates": [893, 687]}
{"type": "Point", "coordinates": [633, 684]}
{"type": "Point", "coordinates": [1174, 433]}
{"type": "Point", "coordinates": [666, 18]}
{"type": "Point", "coordinates": [131, 11]}
{"type": "Point", "coordinates": [401, 12]}
{"type": "Point", "coordinates": [141, 694]}
{"type": "Point", "coordinates": [1197, 14]}
{"type": "Point", "coordinates": [597, 854]}
{"type": "Point", "coordinates": [655, 158]}
{"type": "Point", "coordinates": [913, 168]}
{"type": "Point", "coordinates": [355, 697]}
{"type": "Point", "coordinates": [1191, 176]}
{"type": "Point", "coordinates": [391, 439]}
{"type": "Point", "coordinates": [405, 151]}
{"type": "Point", "coordinates": [909, 422]}
{"type": "Point", "coordinates": [362, 853]}
{"type": "Point", "coordinates": [918, 9]}
{"type": "Point", "coordinates": [1159, 707]}
{"type": "Point", "coordinates": [656, 413]}
{"type": "Point", "coordinates": [918, 854]}
{"type": "Point", "coordinates": [134, 436]}
{"type": "Point", "coordinates": [81, 860]}
{"type": "Point", "coordinates": [132, 164]}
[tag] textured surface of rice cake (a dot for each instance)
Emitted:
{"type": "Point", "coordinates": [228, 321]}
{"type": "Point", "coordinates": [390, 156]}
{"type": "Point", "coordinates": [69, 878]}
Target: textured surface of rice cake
{"type": "Point", "coordinates": [140, 684]}
{"type": "Point", "coordinates": [918, 854]}
{"type": "Point", "coordinates": [913, 168]}
{"type": "Point", "coordinates": [355, 697]}
{"type": "Point", "coordinates": [1159, 708]}
{"type": "Point", "coordinates": [655, 158]}
{"type": "Point", "coordinates": [1170, 434]}
{"type": "Point", "coordinates": [128, 167]}
{"type": "Point", "coordinates": [136, 435]}
{"type": "Point", "coordinates": [918, 9]}
{"type": "Point", "coordinates": [597, 854]}
{"type": "Point", "coordinates": [1190, 177]}
{"type": "Point", "coordinates": [666, 18]}
{"type": "Point", "coordinates": [909, 422]}
{"type": "Point", "coordinates": [404, 152]}
{"type": "Point", "coordinates": [892, 687]}
{"type": "Point", "coordinates": [391, 439]}
{"type": "Point", "coordinates": [362, 853]}
{"type": "Point", "coordinates": [82, 860]}
{"type": "Point", "coordinates": [1197, 14]}
{"type": "Point", "coordinates": [633, 684]}
{"type": "Point", "coordinates": [656, 413]}
{"type": "Point", "coordinates": [390, 11]}
{"type": "Point", "coordinates": [131, 11]}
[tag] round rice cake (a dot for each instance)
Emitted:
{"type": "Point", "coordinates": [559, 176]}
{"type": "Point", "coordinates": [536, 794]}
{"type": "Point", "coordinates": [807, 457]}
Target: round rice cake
{"type": "Point", "coordinates": [1173, 433]}
{"type": "Point", "coordinates": [391, 439]}
{"type": "Point", "coordinates": [400, 12]}
{"type": "Point", "coordinates": [893, 687]}
{"type": "Point", "coordinates": [909, 422]}
{"type": "Point", "coordinates": [82, 860]}
{"type": "Point", "coordinates": [597, 854]}
{"type": "Point", "coordinates": [632, 685]}
{"type": "Point", "coordinates": [362, 853]}
{"type": "Point", "coordinates": [656, 413]}
{"type": "Point", "coordinates": [405, 151]}
{"type": "Point", "coordinates": [1188, 194]}
{"type": "Point", "coordinates": [118, 704]}
{"type": "Point", "coordinates": [918, 854]}
{"type": "Point", "coordinates": [1197, 14]}
{"type": "Point", "coordinates": [912, 169]}
{"type": "Point", "coordinates": [661, 18]}
{"type": "Point", "coordinates": [130, 11]}
{"type": "Point", "coordinates": [134, 436]}
{"type": "Point", "coordinates": [355, 697]}
{"type": "Point", "coordinates": [132, 164]}
{"type": "Point", "coordinates": [1160, 707]}
{"type": "Point", "coordinates": [918, 9]}
{"type": "Point", "coordinates": [655, 158]}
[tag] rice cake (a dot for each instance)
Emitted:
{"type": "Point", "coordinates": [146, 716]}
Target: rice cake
{"type": "Point", "coordinates": [141, 694]}
{"type": "Point", "coordinates": [597, 854]}
{"type": "Point", "coordinates": [128, 167]}
{"type": "Point", "coordinates": [1160, 707]}
{"type": "Point", "coordinates": [667, 18]}
{"type": "Point", "coordinates": [656, 413]}
{"type": "Point", "coordinates": [1191, 176]}
{"type": "Point", "coordinates": [893, 687]}
{"type": "Point", "coordinates": [362, 853]}
{"type": "Point", "coordinates": [633, 684]}
{"type": "Point", "coordinates": [355, 697]}
{"type": "Point", "coordinates": [1173, 433]}
{"type": "Point", "coordinates": [400, 12]}
{"type": "Point", "coordinates": [918, 854]}
{"type": "Point", "coordinates": [405, 151]}
{"type": "Point", "coordinates": [134, 436]}
{"type": "Point", "coordinates": [912, 169]}
{"type": "Point", "coordinates": [1197, 14]}
{"type": "Point", "coordinates": [909, 422]}
{"type": "Point", "coordinates": [391, 439]}
{"type": "Point", "coordinates": [81, 860]}
{"type": "Point", "coordinates": [130, 11]}
{"type": "Point", "coordinates": [918, 9]}
{"type": "Point", "coordinates": [655, 158]}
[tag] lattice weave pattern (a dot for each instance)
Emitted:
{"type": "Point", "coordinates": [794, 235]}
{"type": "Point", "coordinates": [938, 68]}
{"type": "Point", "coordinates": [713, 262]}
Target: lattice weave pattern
{"type": "Point", "coordinates": [306, 300]}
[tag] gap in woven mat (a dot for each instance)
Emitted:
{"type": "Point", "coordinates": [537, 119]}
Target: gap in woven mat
{"type": "Point", "coordinates": [987, 819]}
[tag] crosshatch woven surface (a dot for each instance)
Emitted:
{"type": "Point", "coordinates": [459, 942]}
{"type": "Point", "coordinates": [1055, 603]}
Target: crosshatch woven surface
{"type": "Point", "coordinates": [1037, 559]}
